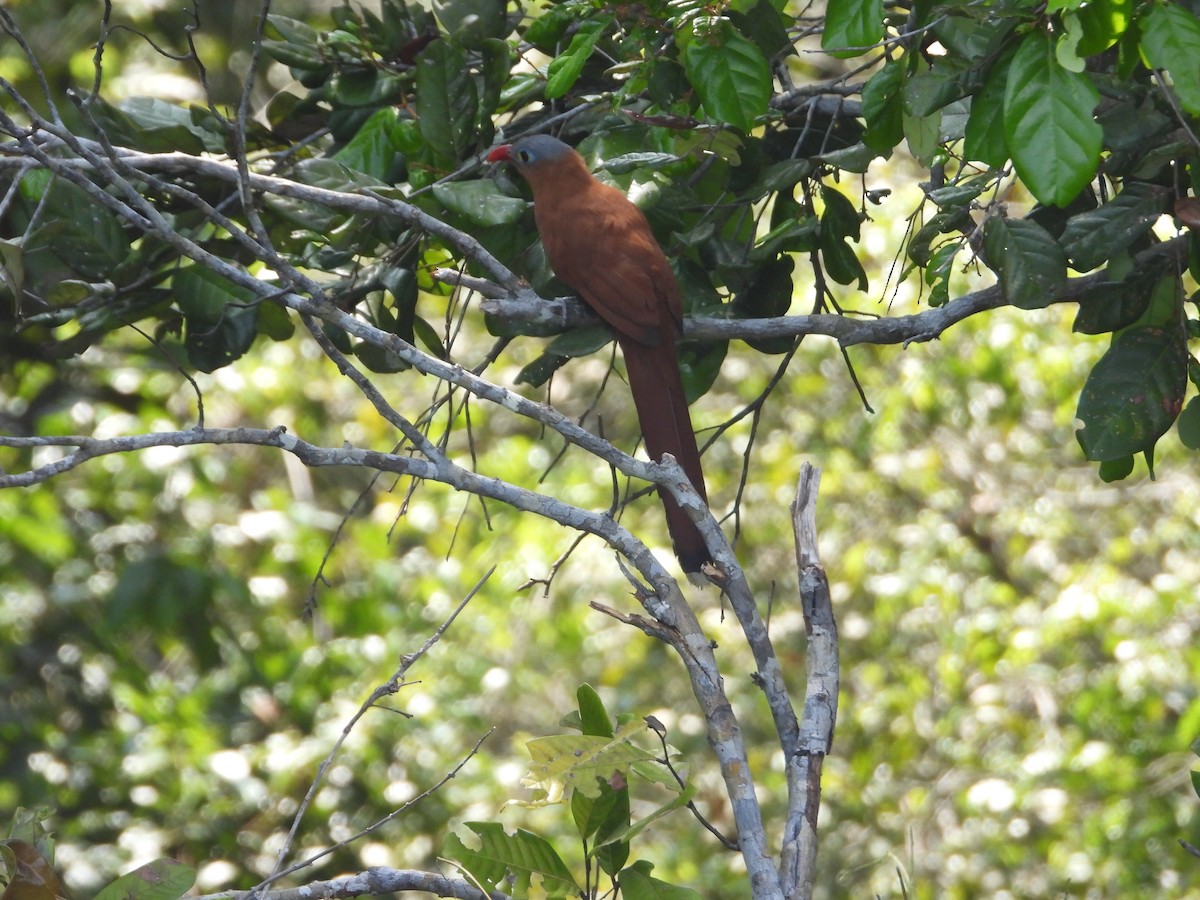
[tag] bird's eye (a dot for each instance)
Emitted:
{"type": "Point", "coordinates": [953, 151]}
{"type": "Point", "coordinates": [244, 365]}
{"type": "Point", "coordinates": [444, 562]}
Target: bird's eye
{"type": "Point", "coordinates": [524, 156]}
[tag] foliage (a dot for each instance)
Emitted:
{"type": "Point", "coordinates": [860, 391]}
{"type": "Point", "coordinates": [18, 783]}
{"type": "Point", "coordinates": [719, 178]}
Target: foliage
{"type": "Point", "coordinates": [759, 172]}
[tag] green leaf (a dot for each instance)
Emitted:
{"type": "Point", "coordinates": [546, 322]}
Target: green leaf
{"type": "Point", "coordinates": [984, 139]}
{"type": "Point", "coordinates": [538, 372]}
{"type": "Point", "coordinates": [163, 879]}
{"type": "Point", "coordinates": [1048, 124]}
{"type": "Point", "coordinates": [373, 149]}
{"type": "Point", "coordinates": [593, 716]}
{"type": "Point", "coordinates": [156, 126]}
{"type": "Point", "coordinates": [729, 73]}
{"type": "Point", "coordinates": [480, 201]}
{"type": "Point", "coordinates": [763, 23]}
{"type": "Point", "coordinates": [1031, 266]}
{"type": "Point", "coordinates": [523, 855]}
{"type": "Point", "coordinates": [939, 270]}
{"type": "Point", "coordinates": [576, 761]}
{"type": "Point", "coordinates": [1189, 424]}
{"type": "Point", "coordinates": [883, 107]}
{"type": "Point", "coordinates": [1093, 237]}
{"type": "Point", "coordinates": [768, 294]}
{"type": "Point", "coordinates": [1171, 41]}
{"type": "Point", "coordinates": [582, 341]}
{"type": "Point", "coordinates": [841, 217]}
{"type": "Point", "coordinates": [495, 65]}
{"type": "Point", "coordinates": [840, 221]}
{"type": "Point", "coordinates": [362, 90]}
{"type": "Point", "coordinates": [934, 89]}
{"type": "Point", "coordinates": [81, 233]}
{"type": "Point", "coordinates": [1117, 305]}
{"type": "Point", "coordinates": [293, 31]}
{"type": "Point", "coordinates": [472, 22]}
{"type": "Point", "coordinates": [1133, 394]}
{"type": "Point", "coordinates": [447, 100]}
{"type": "Point", "coordinates": [699, 365]}
{"type": "Point", "coordinates": [923, 134]}
{"type": "Point", "coordinates": [852, 26]}
{"type": "Point", "coordinates": [220, 317]}
{"type": "Point", "coordinates": [1112, 470]}
{"type": "Point", "coordinates": [547, 29]}
{"type": "Point", "coordinates": [640, 885]}
{"type": "Point", "coordinates": [1103, 22]}
{"type": "Point", "coordinates": [564, 70]}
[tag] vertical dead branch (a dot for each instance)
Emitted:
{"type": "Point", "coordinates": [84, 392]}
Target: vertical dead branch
{"type": "Point", "coordinates": [799, 858]}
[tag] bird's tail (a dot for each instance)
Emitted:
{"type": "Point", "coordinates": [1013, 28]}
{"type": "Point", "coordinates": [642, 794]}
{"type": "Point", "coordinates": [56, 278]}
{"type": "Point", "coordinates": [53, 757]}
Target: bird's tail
{"type": "Point", "coordinates": [657, 388]}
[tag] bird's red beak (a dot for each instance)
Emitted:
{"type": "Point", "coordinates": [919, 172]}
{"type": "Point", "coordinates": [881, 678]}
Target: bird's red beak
{"type": "Point", "coordinates": [503, 153]}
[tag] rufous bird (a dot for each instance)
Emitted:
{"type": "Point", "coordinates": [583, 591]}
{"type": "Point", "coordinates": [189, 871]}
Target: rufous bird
{"type": "Point", "coordinates": [600, 245]}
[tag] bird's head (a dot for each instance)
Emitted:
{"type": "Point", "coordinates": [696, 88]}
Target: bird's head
{"type": "Point", "coordinates": [537, 155]}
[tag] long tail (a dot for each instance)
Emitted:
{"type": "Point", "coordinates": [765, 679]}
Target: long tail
{"type": "Point", "coordinates": [662, 409]}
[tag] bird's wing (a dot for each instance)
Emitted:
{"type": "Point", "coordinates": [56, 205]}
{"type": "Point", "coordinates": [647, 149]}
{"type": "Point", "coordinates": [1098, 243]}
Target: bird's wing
{"type": "Point", "coordinates": [602, 246]}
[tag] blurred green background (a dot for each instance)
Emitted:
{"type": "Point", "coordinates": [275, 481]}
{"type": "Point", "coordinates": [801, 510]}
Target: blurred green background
{"type": "Point", "coordinates": [1019, 652]}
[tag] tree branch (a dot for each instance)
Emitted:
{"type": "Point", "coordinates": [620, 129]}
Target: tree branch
{"type": "Point", "coordinates": [798, 858]}
{"type": "Point", "coordinates": [374, 882]}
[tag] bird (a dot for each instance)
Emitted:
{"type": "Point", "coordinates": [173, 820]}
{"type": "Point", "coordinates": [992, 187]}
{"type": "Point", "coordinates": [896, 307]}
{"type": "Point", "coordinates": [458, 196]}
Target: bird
{"type": "Point", "coordinates": [600, 245]}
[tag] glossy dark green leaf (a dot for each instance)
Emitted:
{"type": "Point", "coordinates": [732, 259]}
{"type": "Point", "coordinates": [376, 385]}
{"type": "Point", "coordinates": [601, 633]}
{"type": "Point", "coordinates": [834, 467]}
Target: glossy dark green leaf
{"type": "Point", "coordinates": [372, 150]}
{"type": "Point", "coordinates": [379, 359]}
{"type": "Point", "coordinates": [582, 341]}
{"type": "Point", "coordinates": [1171, 41]}
{"type": "Point", "coordinates": [220, 317]}
{"type": "Point", "coordinates": [274, 321]}
{"type": "Point", "coordinates": [841, 217]}
{"type": "Point", "coordinates": [429, 338]}
{"type": "Point", "coordinates": [1095, 236]}
{"type": "Point", "coordinates": [447, 100]}
{"type": "Point", "coordinates": [366, 89]}
{"type": "Point", "coordinates": [852, 26]}
{"type": "Point", "coordinates": [1102, 23]}
{"type": "Point", "coordinates": [82, 234]}
{"type": "Point", "coordinates": [768, 294]}
{"type": "Point", "coordinates": [472, 22]}
{"type": "Point", "coordinates": [156, 126]}
{"type": "Point", "coordinates": [763, 24]}
{"type": "Point", "coordinates": [984, 138]}
{"type": "Point", "coordinates": [482, 202]}
{"type": "Point", "coordinates": [730, 74]}
{"type": "Point", "coordinates": [1117, 305]}
{"type": "Point", "coordinates": [699, 365]}
{"type": "Point", "coordinates": [520, 855]}
{"type": "Point", "coordinates": [1031, 266]}
{"type": "Point", "coordinates": [938, 272]}
{"type": "Point", "coordinates": [1133, 393]}
{"type": "Point", "coordinates": [1132, 125]}
{"type": "Point", "coordinates": [547, 29]}
{"type": "Point", "coordinates": [1048, 124]}
{"type": "Point", "coordinates": [495, 64]}
{"type": "Point", "coordinates": [883, 107]}
{"type": "Point", "coordinates": [1189, 424]}
{"type": "Point", "coordinates": [1112, 470]}
{"type": "Point", "coordinates": [538, 372]}
{"type": "Point", "coordinates": [927, 92]}
{"type": "Point", "coordinates": [639, 884]}
{"type": "Point", "coordinates": [921, 245]}
{"type": "Point", "coordinates": [841, 263]}
{"type": "Point", "coordinates": [305, 59]}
